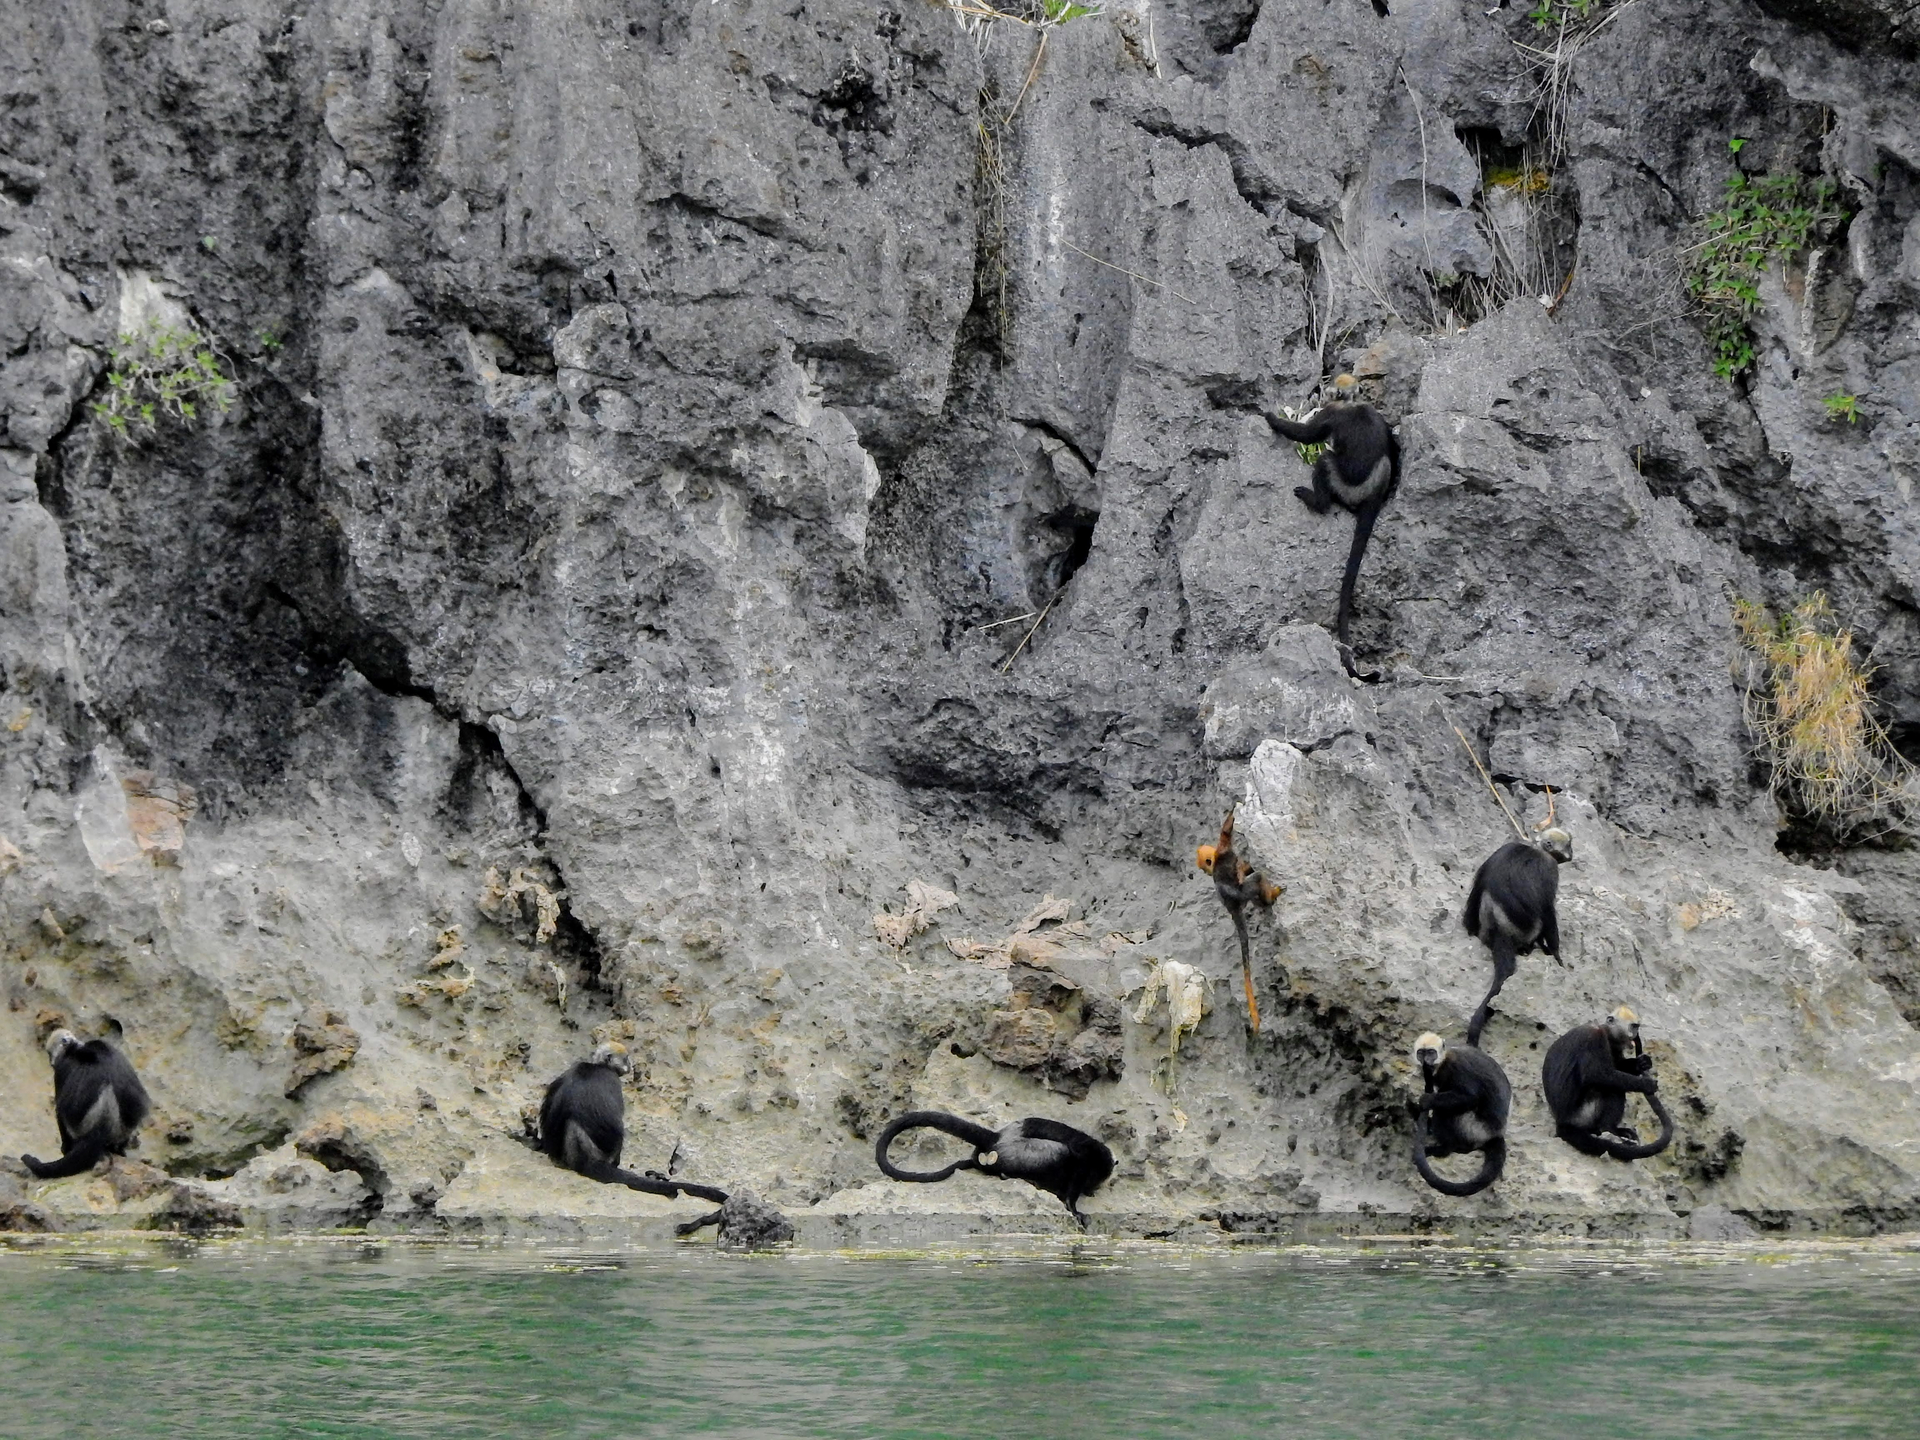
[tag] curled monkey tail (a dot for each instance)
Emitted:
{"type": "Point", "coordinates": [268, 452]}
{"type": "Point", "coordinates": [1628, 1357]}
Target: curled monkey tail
{"type": "Point", "coordinates": [1622, 1151]}
{"type": "Point", "coordinates": [1493, 1160]}
{"type": "Point", "coordinates": [978, 1136]}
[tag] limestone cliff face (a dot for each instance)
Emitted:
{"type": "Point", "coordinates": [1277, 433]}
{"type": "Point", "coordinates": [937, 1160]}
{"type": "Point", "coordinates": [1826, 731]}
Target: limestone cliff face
{"type": "Point", "coordinates": [695, 470]}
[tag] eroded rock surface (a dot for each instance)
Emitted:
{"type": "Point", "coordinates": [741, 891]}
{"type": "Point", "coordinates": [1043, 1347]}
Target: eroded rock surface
{"type": "Point", "coordinates": [694, 472]}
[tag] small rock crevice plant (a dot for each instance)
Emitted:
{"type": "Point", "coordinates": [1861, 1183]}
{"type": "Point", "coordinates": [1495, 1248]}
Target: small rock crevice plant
{"type": "Point", "coordinates": [160, 372]}
{"type": "Point", "coordinates": [1765, 218]}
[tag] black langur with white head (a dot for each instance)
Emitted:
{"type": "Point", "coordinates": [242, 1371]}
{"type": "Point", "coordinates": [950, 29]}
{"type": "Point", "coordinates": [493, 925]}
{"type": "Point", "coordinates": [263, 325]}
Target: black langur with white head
{"type": "Point", "coordinates": [1511, 908]}
{"type": "Point", "coordinates": [98, 1102]}
{"type": "Point", "coordinates": [1464, 1109]}
{"type": "Point", "coordinates": [1587, 1076]}
{"type": "Point", "coordinates": [1066, 1163]}
{"type": "Point", "coordinates": [1358, 472]}
{"type": "Point", "coordinates": [583, 1126]}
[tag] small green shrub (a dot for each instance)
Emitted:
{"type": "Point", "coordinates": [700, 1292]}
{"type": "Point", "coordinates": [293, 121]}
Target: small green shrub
{"type": "Point", "coordinates": [1772, 216]}
{"type": "Point", "coordinates": [158, 372]}
{"type": "Point", "coordinates": [1309, 451]}
{"type": "Point", "coordinates": [1843, 407]}
{"type": "Point", "coordinates": [1560, 12]}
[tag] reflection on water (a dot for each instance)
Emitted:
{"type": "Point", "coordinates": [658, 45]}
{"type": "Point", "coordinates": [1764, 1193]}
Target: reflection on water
{"type": "Point", "coordinates": [340, 1338]}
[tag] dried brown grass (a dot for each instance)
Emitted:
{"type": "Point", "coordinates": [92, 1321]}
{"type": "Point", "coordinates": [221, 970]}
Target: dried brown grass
{"type": "Point", "coordinates": [1808, 702]}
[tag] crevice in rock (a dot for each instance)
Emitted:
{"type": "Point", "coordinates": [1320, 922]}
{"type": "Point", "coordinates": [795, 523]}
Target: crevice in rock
{"type": "Point", "coordinates": [381, 660]}
{"type": "Point", "coordinates": [1226, 24]}
{"type": "Point", "coordinates": [985, 330]}
{"type": "Point", "coordinates": [1253, 184]}
{"type": "Point", "coordinates": [1054, 432]}
{"type": "Point", "coordinates": [1076, 524]}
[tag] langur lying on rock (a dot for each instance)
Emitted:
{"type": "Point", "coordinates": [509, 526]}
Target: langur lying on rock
{"type": "Point", "coordinates": [1066, 1163]}
{"type": "Point", "coordinates": [583, 1126]}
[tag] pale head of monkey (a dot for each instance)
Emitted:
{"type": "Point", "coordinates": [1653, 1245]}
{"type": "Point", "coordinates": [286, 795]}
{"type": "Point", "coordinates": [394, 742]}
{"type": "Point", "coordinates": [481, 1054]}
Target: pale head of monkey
{"type": "Point", "coordinates": [1428, 1049]}
{"type": "Point", "coordinates": [614, 1056]}
{"type": "Point", "coordinates": [1559, 844]}
{"type": "Point", "coordinates": [59, 1042]}
{"type": "Point", "coordinates": [1346, 389]}
{"type": "Point", "coordinates": [1623, 1028]}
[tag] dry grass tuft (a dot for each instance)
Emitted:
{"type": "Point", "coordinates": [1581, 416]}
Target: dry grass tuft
{"type": "Point", "coordinates": [1808, 702]}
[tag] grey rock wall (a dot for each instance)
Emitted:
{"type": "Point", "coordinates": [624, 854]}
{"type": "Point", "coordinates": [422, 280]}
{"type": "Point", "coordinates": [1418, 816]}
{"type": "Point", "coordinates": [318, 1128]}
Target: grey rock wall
{"type": "Point", "coordinates": [696, 469]}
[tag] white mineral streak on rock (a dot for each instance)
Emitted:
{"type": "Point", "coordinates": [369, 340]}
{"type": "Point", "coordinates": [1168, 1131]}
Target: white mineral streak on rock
{"type": "Point", "coordinates": [101, 813]}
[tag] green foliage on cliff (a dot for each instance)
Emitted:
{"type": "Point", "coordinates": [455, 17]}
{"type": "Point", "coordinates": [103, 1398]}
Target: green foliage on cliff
{"type": "Point", "coordinates": [1843, 407]}
{"type": "Point", "coordinates": [159, 372]}
{"type": "Point", "coordinates": [1771, 217]}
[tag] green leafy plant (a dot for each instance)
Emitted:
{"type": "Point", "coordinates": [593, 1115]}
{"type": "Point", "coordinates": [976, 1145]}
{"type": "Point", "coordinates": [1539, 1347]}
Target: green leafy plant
{"type": "Point", "coordinates": [1059, 12]}
{"type": "Point", "coordinates": [1560, 12]}
{"type": "Point", "coordinates": [159, 372]}
{"type": "Point", "coordinates": [1308, 451]}
{"type": "Point", "coordinates": [1773, 216]}
{"type": "Point", "coordinates": [1843, 407]}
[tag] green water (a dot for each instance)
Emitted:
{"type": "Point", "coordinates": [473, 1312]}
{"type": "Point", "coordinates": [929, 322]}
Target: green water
{"type": "Point", "coordinates": [341, 1338]}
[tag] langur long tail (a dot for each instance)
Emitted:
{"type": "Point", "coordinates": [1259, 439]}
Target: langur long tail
{"type": "Point", "coordinates": [652, 1185]}
{"type": "Point", "coordinates": [978, 1136]}
{"type": "Point", "coordinates": [1343, 622]}
{"type": "Point", "coordinates": [1246, 967]}
{"type": "Point", "coordinates": [1620, 1150]}
{"type": "Point", "coordinates": [1493, 1160]}
{"type": "Point", "coordinates": [81, 1158]}
{"type": "Point", "coordinates": [1503, 967]}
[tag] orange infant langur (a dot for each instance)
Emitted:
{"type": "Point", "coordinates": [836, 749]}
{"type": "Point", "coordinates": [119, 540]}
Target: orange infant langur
{"type": "Point", "coordinates": [1237, 883]}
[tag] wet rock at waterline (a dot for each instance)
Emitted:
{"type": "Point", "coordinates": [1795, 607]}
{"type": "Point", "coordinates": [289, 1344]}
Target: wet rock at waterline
{"type": "Point", "coordinates": [680, 480]}
{"type": "Point", "coordinates": [748, 1223]}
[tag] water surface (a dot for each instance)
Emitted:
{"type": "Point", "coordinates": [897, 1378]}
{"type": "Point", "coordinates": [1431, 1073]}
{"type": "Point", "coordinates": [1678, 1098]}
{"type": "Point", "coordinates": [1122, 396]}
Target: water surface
{"type": "Point", "coordinates": [349, 1338]}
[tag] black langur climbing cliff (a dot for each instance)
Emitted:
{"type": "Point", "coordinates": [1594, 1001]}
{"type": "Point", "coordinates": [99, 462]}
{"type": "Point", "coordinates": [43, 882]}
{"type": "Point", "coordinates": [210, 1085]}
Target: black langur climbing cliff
{"type": "Point", "coordinates": [1358, 471]}
{"type": "Point", "coordinates": [98, 1103]}
{"type": "Point", "coordinates": [1066, 1163]}
{"type": "Point", "coordinates": [1464, 1109]}
{"type": "Point", "coordinates": [1511, 908]}
{"type": "Point", "coordinates": [583, 1126]}
{"type": "Point", "coordinates": [1587, 1076]}
{"type": "Point", "coordinates": [1238, 885]}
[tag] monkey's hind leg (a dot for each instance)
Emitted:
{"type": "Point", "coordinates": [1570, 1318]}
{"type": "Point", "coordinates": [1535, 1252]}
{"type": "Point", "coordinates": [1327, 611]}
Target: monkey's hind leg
{"type": "Point", "coordinates": [1318, 498]}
